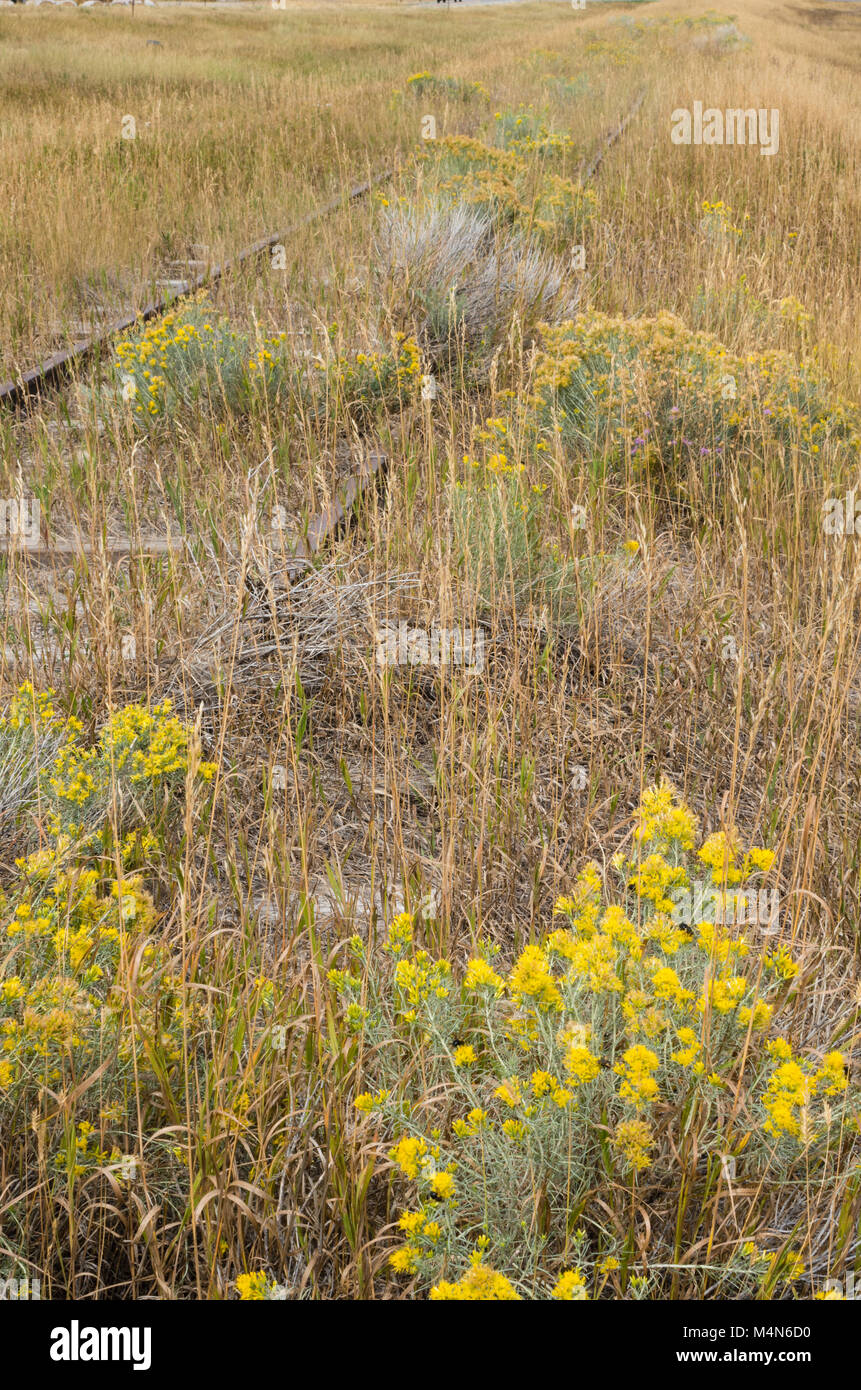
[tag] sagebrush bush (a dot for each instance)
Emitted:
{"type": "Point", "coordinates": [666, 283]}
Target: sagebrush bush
{"type": "Point", "coordinates": [459, 280]}
{"type": "Point", "coordinates": [625, 1065]}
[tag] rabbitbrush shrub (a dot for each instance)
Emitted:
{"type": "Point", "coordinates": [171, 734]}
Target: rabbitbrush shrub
{"type": "Point", "coordinates": [115, 1101]}
{"type": "Point", "coordinates": [656, 391]}
{"type": "Point", "coordinates": [624, 1110]}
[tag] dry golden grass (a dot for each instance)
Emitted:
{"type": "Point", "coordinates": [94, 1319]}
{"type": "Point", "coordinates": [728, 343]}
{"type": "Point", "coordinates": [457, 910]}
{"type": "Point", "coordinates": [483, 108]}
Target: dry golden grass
{"type": "Point", "coordinates": [398, 787]}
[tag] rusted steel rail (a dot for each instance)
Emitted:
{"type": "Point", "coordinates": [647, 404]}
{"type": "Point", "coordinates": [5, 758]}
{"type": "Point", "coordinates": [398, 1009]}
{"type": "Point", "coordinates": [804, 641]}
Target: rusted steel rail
{"type": "Point", "coordinates": [334, 519]}
{"type": "Point", "coordinates": [588, 171]}
{"type": "Point", "coordinates": [30, 384]}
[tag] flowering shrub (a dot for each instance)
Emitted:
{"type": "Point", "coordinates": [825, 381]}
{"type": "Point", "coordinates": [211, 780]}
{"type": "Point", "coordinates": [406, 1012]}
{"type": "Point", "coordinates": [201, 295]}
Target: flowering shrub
{"type": "Point", "coordinates": [138, 755]}
{"type": "Point", "coordinates": [658, 389]}
{"type": "Point", "coordinates": [189, 355]}
{"type": "Point", "coordinates": [616, 1068]}
{"type": "Point", "coordinates": [65, 941]}
{"type": "Point", "coordinates": [104, 1024]}
{"type": "Point", "coordinates": [259, 1288]}
{"type": "Point", "coordinates": [716, 223]}
{"type": "Point", "coordinates": [516, 182]}
{"type": "Point", "coordinates": [363, 381]}
{"type": "Point", "coordinates": [502, 525]}
{"type": "Point", "coordinates": [525, 131]}
{"type": "Point", "coordinates": [31, 733]}
{"type": "Point", "coordinates": [111, 1081]}
{"type": "Point", "coordinates": [455, 88]}
{"type": "Point", "coordinates": [497, 519]}
{"type": "Point", "coordinates": [70, 924]}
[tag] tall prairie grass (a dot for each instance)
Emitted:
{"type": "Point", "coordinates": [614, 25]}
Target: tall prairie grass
{"type": "Point", "coordinates": [648, 612]}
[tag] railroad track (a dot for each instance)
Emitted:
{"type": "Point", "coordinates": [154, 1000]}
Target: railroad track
{"type": "Point", "coordinates": [26, 391]}
{"type": "Point", "coordinates": [28, 388]}
{"type": "Point", "coordinates": [303, 549]}
{"type": "Point", "coordinates": [589, 170]}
